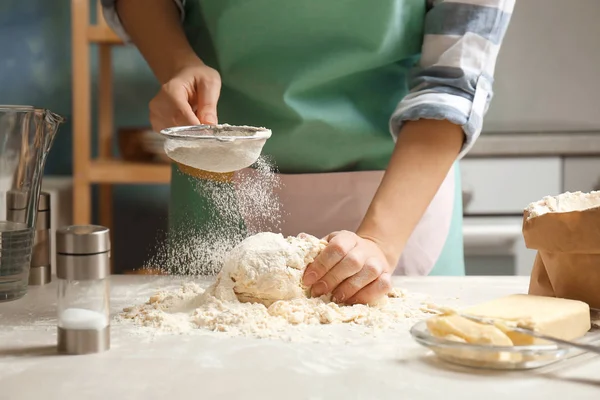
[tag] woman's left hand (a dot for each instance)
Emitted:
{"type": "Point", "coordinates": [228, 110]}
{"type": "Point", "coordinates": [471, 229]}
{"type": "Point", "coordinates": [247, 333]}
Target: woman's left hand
{"type": "Point", "coordinates": [353, 269]}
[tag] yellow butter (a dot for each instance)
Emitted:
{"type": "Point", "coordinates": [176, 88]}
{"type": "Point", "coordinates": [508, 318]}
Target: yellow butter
{"type": "Point", "coordinates": [455, 326]}
{"type": "Point", "coordinates": [561, 318]}
{"type": "Point", "coordinates": [462, 330]}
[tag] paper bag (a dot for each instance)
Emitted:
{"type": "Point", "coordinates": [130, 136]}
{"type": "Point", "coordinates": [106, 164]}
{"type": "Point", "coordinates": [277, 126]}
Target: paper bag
{"type": "Point", "coordinates": [567, 264]}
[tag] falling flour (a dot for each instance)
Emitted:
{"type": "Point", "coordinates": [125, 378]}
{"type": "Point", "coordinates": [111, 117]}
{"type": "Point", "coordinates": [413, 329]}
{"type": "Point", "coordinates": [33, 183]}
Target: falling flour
{"type": "Point", "coordinates": [259, 293]}
{"type": "Point", "coordinates": [251, 200]}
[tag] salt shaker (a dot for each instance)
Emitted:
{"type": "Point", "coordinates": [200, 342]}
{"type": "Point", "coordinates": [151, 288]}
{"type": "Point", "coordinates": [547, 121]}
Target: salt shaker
{"type": "Point", "coordinates": [40, 271]}
{"type": "Point", "coordinates": [83, 271]}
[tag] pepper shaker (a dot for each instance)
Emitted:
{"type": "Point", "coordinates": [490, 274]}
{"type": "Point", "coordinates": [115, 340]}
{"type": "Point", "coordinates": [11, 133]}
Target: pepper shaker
{"type": "Point", "coordinates": [40, 271]}
{"type": "Point", "coordinates": [83, 272]}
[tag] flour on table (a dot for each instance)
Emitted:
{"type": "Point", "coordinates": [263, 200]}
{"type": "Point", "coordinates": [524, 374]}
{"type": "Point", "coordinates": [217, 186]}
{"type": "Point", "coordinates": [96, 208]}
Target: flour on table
{"type": "Point", "coordinates": [259, 293]}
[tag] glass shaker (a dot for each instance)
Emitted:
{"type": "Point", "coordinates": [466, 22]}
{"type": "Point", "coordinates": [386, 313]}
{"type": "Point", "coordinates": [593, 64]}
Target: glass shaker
{"type": "Point", "coordinates": [83, 272]}
{"type": "Point", "coordinates": [16, 202]}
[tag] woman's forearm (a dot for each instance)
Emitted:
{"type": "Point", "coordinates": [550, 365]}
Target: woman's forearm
{"type": "Point", "coordinates": [155, 28]}
{"type": "Point", "coordinates": [424, 153]}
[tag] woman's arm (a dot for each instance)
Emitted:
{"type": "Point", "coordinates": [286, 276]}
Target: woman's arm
{"type": "Point", "coordinates": [155, 29]}
{"type": "Point", "coordinates": [423, 155]}
{"type": "Point", "coordinates": [190, 90]}
{"type": "Point", "coordinates": [441, 118]}
{"type": "Point", "coordinates": [434, 125]}
{"type": "Point", "coordinates": [454, 78]}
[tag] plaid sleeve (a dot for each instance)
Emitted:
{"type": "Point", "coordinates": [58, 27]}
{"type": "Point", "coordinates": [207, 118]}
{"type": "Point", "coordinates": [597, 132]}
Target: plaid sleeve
{"type": "Point", "coordinates": [454, 78]}
{"type": "Point", "coordinates": [109, 11]}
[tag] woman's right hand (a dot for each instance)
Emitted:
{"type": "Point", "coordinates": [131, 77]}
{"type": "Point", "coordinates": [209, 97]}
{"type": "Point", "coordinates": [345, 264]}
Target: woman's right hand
{"type": "Point", "coordinates": [189, 98]}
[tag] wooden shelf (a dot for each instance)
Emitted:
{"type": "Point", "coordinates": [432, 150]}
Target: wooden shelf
{"type": "Point", "coordinates": [102, 34]}
{"type": "Point", "coordinates": [104, 170]}
{"type": "Point", "coordinates": [124, 172]}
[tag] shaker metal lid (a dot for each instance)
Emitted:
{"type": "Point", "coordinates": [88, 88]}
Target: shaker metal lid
{"type": "Point", "coordinates": [44, 201]}
{"type": "Point", "coordinates": [17, 200]}
{"type": "Point", "coordinates": [82, 239]}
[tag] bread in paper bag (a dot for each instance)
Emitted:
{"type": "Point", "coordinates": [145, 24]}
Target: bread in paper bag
{"type": "Point", "coordinates": [565, 231]}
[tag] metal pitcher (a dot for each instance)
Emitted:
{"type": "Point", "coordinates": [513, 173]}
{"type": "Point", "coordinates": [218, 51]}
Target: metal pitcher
{"type": "Point", "coordinates": [26, 136]}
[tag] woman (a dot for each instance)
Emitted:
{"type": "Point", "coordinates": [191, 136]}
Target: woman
{"type": "Point", "coordinates": [326, 76]}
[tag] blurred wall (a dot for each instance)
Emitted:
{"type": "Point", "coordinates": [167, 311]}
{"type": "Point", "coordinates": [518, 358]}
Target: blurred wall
{"type": "Point", "coordinates": [546, 75]}
{"type": "Point", "coordinates": [35, 69]}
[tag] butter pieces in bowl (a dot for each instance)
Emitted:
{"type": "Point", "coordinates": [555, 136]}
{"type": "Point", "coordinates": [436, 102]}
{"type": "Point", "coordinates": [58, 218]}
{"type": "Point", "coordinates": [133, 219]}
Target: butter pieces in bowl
{"type": "Point", "coordinates": [463, 341]}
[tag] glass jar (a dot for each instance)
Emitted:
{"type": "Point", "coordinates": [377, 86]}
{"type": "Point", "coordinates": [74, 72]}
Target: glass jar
{"type": "Point", "coordinates": [40, 270]}
{"type": "Point", "coordinates": [83, 272]}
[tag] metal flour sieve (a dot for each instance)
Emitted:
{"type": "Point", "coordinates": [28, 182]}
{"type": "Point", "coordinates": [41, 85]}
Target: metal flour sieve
{"type": "Point", "coordinates": [215, 148]}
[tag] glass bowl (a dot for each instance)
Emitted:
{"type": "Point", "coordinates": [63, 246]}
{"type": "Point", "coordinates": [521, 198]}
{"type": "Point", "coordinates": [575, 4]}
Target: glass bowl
{"type": "Point", "coordinates": [497, 357]}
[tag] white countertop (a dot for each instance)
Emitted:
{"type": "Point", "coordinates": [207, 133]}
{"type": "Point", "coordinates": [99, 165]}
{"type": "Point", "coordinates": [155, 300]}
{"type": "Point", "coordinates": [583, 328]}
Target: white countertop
{"type": "Point", "coordinates": [210, 366]}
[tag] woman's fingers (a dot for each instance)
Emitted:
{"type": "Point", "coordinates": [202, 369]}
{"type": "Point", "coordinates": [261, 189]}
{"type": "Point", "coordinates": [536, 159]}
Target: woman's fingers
{"type": "Point", "coordinates": [208, 91]}
{"type": "Point", "coordinates": [369, 272]}
{"type": "Point", "coordinates": [190, 98]}
{"type": "Point", "coordinates": [349, 265]}
{"type": "Point", "coordinates": [373, 291]}
{"type": "Point", "coordinates": [336, 250]}
{"type": "Point", "coordinates": [351, 268]}
{"type": "Point", "coordinates": [171, 108]}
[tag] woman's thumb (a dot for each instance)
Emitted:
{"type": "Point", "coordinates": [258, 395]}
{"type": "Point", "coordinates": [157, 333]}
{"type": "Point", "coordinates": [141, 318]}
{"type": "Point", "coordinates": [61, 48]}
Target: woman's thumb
{"type": "Point", "coordinates": [208, 116]}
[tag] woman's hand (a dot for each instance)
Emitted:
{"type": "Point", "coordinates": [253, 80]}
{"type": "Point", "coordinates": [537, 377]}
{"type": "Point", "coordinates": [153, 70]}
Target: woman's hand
{"type": "Point", "coordinates": [189, 98]}
{"type": "Point", "coordinates": [353, 269]}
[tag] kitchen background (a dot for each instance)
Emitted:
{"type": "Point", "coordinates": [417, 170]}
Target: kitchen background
{"type": "Point", "coordinates": [540, 135]}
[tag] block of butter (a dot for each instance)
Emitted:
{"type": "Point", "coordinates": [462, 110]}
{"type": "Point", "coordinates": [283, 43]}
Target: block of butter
{"type": "Point", "coordinates": [561, 318]}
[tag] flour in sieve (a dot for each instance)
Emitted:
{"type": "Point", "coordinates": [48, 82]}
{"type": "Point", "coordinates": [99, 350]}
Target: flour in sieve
{"type": "Point", "coordinates": [219, 156]}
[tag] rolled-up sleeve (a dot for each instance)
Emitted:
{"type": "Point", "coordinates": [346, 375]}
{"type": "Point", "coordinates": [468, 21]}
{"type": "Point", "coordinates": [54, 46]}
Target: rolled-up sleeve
{"type": "Point", "coordinates": [454, 77]}
{"type": "Point", "coordinates": [109, 11]}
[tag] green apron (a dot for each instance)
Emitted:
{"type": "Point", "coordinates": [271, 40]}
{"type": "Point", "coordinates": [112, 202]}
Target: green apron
{"type": "Point", "coordinates": [325, 76]}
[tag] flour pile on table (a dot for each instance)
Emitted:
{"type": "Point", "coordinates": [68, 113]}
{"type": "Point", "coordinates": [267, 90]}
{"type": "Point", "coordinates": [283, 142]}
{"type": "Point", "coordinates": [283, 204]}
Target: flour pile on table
{"type": "Point", "coordinates": [259, 293]}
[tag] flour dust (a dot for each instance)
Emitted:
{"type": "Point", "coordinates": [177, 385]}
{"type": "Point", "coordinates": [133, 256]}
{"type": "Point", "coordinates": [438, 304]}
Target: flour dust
{"type": "Point", "coordinates": [192, 310]}
{"type": "Point", "coordinates": [220, 216]}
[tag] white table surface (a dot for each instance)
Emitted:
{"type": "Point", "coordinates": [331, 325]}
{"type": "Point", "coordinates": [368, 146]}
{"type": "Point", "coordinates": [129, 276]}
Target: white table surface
{"type": "Point", "coordinates": [210, 366]}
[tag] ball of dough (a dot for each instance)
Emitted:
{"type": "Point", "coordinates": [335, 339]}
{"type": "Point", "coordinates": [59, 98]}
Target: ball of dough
{"type": "Point", "coordinates": [268, 267]}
